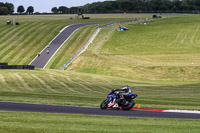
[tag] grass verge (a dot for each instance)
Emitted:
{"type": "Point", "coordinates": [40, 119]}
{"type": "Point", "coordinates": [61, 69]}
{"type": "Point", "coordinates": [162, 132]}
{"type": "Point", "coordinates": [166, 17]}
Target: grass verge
{"type": "Point", "coordinates": [23, 122]}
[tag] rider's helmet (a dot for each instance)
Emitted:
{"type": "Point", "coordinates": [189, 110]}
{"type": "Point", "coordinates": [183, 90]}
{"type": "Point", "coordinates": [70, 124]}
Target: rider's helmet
{"type": "Point", "coordinates": [127, 86]}
{"type": "Point", "coordinates": [127, 89]}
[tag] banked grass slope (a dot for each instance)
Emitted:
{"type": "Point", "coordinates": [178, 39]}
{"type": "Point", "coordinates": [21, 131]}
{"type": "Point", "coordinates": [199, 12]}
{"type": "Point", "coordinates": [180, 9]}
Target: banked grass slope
{"type": "Point", "coordinates": [165, 49]}
{"type": "Point", "coordinates": [20, 44]}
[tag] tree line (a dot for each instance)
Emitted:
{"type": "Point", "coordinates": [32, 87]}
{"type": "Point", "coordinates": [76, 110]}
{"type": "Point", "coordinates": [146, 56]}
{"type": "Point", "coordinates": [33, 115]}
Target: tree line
{"type": "Point", "coordinates": [8, 8]}
{"type": "Point", "coordinates": [114, 6]}
{"type": "Point", "coordinates": [29, 10]}
{"type": "Point", "coordinates": [117, 6]}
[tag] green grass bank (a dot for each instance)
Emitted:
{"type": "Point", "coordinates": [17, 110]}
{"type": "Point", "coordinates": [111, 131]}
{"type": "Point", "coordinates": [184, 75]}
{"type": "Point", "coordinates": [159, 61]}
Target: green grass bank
{"type": "Point", "coordinates": [23, 122]}
{"type": "Point", "coordinates": [165, 49]}
{"type": "Point", "coordinates": [36, 31]}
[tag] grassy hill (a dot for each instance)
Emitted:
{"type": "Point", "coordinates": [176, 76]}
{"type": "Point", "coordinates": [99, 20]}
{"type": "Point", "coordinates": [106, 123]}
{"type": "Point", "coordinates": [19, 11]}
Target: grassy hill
{"type": "Point", "coordinates": [145, 57]}
{"type": "Point", "coordinates": [20, 44]}
{"type": "Point", "coordinates": [165, 49]}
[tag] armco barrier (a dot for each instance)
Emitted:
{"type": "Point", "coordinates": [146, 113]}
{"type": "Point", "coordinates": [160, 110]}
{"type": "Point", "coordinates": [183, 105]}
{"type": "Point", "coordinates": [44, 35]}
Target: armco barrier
{"type": "Point", "coordinates": [3, 64]}
{"type": "Point", "coordinates": [82, 50]}
{"type": "Point", "coordinates": [17, 67]}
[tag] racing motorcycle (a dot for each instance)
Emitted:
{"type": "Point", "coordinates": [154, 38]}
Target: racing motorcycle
{"type": "Point", "coordinates": [113, 101]}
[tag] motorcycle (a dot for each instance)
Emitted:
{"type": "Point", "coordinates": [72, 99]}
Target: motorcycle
{"type": "Point", "coordinates": [113, 101]}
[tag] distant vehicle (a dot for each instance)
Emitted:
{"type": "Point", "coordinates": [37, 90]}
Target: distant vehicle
{"type": "Point", "coordinates": [113, 101]}
{"type": "Point", "coordinates": [155, 16]}
{"type": "Point", "coordinates": [123, 28]}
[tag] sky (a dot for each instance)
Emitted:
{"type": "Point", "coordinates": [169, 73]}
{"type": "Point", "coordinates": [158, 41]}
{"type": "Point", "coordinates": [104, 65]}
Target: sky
{"type": "Point", "coordinates": [46, 5]}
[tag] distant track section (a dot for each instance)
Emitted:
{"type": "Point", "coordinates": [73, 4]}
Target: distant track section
{"type": "Point", "coordinates": [42, 60]}
{"type": "Point", "coordinates": [93, 37]}
{"type": "Point", "coordinates": [27, 107]}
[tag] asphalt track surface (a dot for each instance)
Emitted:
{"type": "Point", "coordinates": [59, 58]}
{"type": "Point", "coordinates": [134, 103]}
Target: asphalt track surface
{"type": "Point", "coordinates": [43, 59]}
{"type": "Point", "coordinates": [27, 107]}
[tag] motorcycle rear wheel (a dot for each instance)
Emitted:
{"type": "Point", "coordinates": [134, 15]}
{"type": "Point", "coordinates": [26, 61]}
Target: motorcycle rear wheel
{"type": "Point", "coordinates": [104, 104]}
{"type": "Point", "coordinates": [129, 105]}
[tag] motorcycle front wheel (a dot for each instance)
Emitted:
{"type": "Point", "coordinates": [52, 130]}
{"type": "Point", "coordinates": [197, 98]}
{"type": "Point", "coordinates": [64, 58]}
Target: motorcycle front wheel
{"type": "Point", "coordinates": [130, 104]}
{"type": "Point", "coordinates": [104, 104]}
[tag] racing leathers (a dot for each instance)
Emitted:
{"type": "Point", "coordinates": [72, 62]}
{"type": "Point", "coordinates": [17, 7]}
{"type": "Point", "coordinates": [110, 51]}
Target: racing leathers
{"type": "Point", "coordinates": [123, 91]}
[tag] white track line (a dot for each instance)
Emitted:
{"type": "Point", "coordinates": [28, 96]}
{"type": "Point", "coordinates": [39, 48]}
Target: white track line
{"type": "Point", "coordinates": [82, 50]}
{"type": "Point", "coordinates": [183, 111]}
{"type": "Point", "coordinates": [59, 48]}
{"type": "Point", "coordinates": [50, 42]}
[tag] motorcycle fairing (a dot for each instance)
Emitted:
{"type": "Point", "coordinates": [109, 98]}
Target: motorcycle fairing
{"type": "Point", "coordinates": [131, 96]}
{"type": "Point", "coordinates": [111, 96]}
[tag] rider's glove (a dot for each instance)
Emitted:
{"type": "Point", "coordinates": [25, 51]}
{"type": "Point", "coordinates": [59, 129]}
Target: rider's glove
{"type": "Point", "coordinates": [113, 91]}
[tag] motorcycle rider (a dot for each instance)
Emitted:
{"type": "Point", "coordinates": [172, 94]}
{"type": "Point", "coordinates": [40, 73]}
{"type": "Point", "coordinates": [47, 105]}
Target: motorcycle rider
{"type": "Point", "coordinates": [123, 91]}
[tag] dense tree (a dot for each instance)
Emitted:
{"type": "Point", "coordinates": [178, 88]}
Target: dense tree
{"type": "Point", "coordinates": [3, 11]}
{"type": "Point", "coordinates": [62, 9]}
{"type": "Point", "coordinates": [184, 6]}
{"type": "Point", "coordinates": [10, 7]}
{"type": "Point", "coordinates": [135, 6]}
{"type": "Point", "coordinates": [6, 8]}
{"type": "Point", "coordinates": [1, 4]}
{"type": "Point", "coordinates": [145, 5]}
{"type": "Point", "coordinates": [30, 10]}
{"type": "Point", "coordinates": [54, 10]}
{"type": "Point", "coordinates": [74, 10]}
{"type": "Point", "coordinates": [20, 9]}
